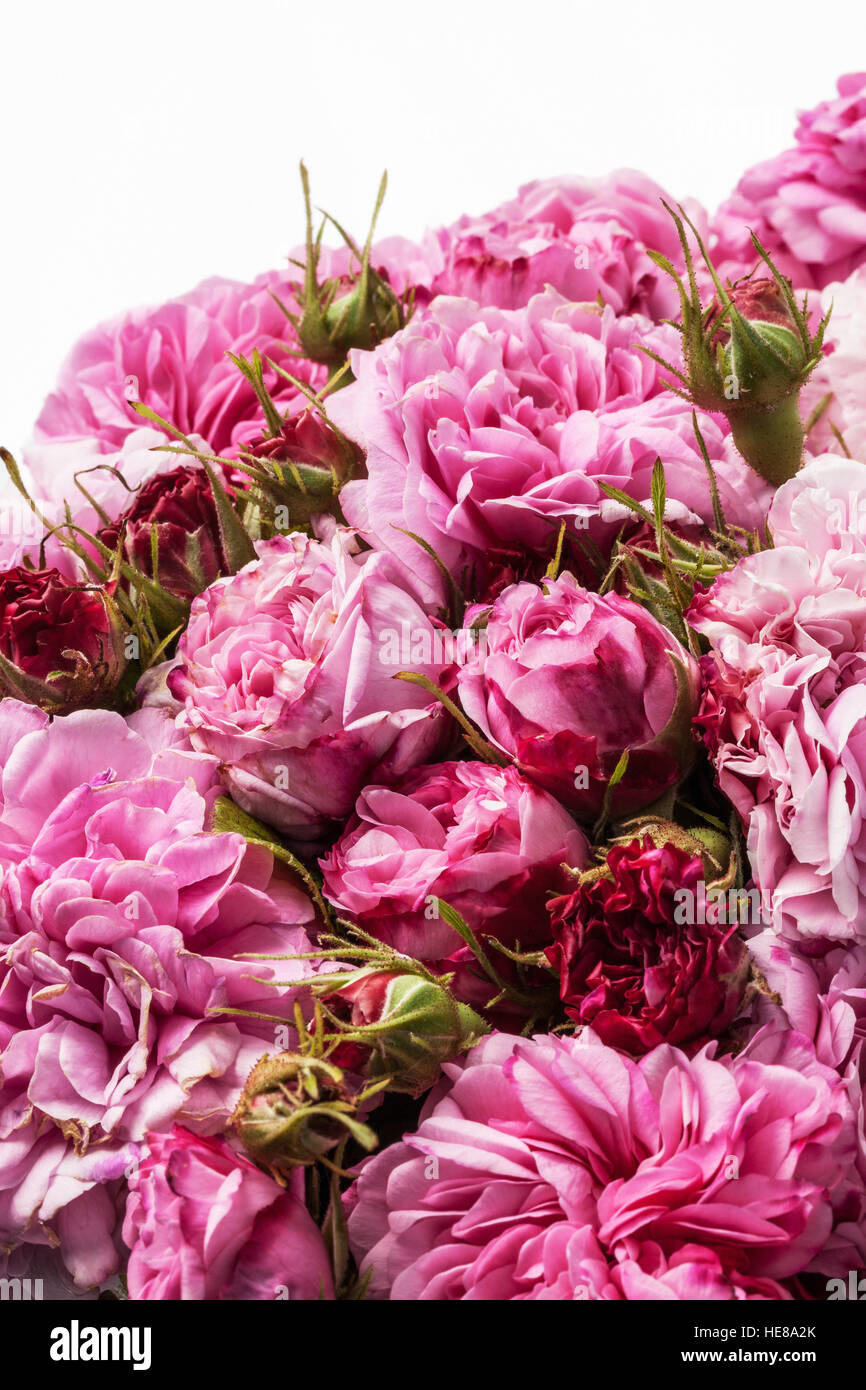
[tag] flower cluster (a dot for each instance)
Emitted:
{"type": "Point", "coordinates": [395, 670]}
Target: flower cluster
{"type": "Point", "coordinates": [432, 748]}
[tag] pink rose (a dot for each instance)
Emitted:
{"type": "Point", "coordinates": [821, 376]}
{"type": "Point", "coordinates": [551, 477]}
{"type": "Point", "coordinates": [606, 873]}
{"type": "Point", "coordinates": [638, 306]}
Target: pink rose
{"type": "Point", "coordinates": [807, 206]}
{"type": "Point", "coordinates": [567, 680]}
{"type": "Point", "coordinates": [287, 675]}
{"type": "Point", "coordinates": [584, 237]}
{"type": "Point", "coordinates": [484, 839]}
{"type": "Point", "coordinates": [174, 359]}
{"type": "Point", "coordinates": [122, 920]}
{"type": "Point", "coordinates": [557, 1168]}
{"type": "Point", "coordinates": [839, 374]}
{"type": "Point", "coordinates": [823, 994]}
{"type": "Point", "coordinates": [485, 428]}
{"type": "Point", "coordinates": [784, 706]}
{"type": "Point", "coordinates": [202, 1222]}
{"type": "Point", "coordinates": [822, 508]}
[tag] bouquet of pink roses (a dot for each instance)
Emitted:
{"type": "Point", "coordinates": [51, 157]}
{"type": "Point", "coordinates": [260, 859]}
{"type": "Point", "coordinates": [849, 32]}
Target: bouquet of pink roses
{"type": "Point", "coordinates": [433, 763]}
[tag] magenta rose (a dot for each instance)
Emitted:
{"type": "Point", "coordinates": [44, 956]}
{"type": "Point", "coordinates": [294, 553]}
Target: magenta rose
{"type": "Point", "coordinates": [61, 644]}
{"type": "Point", "coordinates": [287, 675]}
{"type": "Point", "coordinates": [556, 1168]}
{"type": "Point", "coordinates": [807, 206]}
{"type": "Point", "coordinates": [567, 680]}
{"type": "Point", "coordinates": [175, 517]}
{"type": "Point", "coordinates": [202, 1222]}
{"type": "Point", "coordinates": [304, 439]}
{"type": "Point", "coordinates": [630, 962]}
{"type": "Point", "coordinates": [123, 923]}
{"type": "Point", "coordinates": [484, 429]}
{"type": "Point", "coordinates": [483, 839]}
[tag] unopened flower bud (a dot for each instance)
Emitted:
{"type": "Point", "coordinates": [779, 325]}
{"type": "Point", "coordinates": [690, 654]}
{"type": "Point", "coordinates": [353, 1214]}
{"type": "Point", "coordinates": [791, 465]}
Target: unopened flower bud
{"type": "Point", "coordinates": [401, 1026]}
{"type": "Point", "coordinates": [171, 532]}
{"type": "Point", "coordinates": [356, 310]}
{"type": "Point", "coordinates": [747, 356]}
{"type": "Point", "coordinates": [294, 1110]}
{"type": "Point", "coordinates": [302, 468]}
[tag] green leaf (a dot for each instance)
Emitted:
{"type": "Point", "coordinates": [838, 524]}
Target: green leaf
{"type": "Point", "coordinates": [615, 778]}
{"type": "Point", "coordinates": [718, 513]}
{"type": "Point", "coordinates": [238, 548]}
{"type": "Point", "coordinates": [476, 740]}
{"type": "Point", "coordinates": [228, 817]}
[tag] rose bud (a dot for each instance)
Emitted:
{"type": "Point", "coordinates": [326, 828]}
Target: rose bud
{"type": "Point", "coordinates": [747, 356]}
{"type": "Point", "coordinates": [763, 360]}
{"type": "Point", "coordinates": [172, 533]}
{"type": "Point", "coordinates": [568, 680]}
{"type": "Point", "coordinates": [294, 1109]}
{"type": "Point", "coordinates": [61, 644]}
{"type": "Point", "coordinates": [302, 467]}
{"type": "Point", "coordinates": [646, 947]}
{"type": "Point", "coordinates": [355, 310]}
{"type": "Point", "coordinates": [399, 1026]}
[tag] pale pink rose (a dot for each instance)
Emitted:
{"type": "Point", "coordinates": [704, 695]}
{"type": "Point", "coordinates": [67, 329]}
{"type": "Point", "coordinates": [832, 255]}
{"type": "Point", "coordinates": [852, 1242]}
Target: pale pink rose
{"type": "Point", "coordinates": [122, 924]}
{"type": "Point", "coordinates": [22, 529]}
{"type": "Point", "coordinates": [784, 708]}
{"type": "Point", "coordinates": [823, 996]}
{"type": "Point", "coordinates": [822, 508]}
{"type": "Point", "coordinates": [807, 206]}
{"type": "Point", "coordinates": [287, 674]}
{"type": "Point", "coordinates": [583, 237]}
{"type": "Point", "coordinates": [840, 372]}
{"type": "Point", "coordinates": [486, 428]}
{"type": "Point", "coordinates": [61, 468]}
{"type": "Point", "coordinates": [202, 1222]}
{"type": "Point", "coordinates": [568, 679]}
{"type": "Point", "coordinates": [484, 839]}
{"type": "Point", "coordinates": [557, 1168]}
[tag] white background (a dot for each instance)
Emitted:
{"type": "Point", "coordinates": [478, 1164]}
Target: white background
{"type": "Point", "coordinates": [146, 146]}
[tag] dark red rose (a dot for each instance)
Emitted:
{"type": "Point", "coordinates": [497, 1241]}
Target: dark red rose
{"type": "Point", "coordinates": [49, 625]}
{"type": "Point", "coordinates": [175, 510]}
{"type": "Point", "coordinates": [631, 967]}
